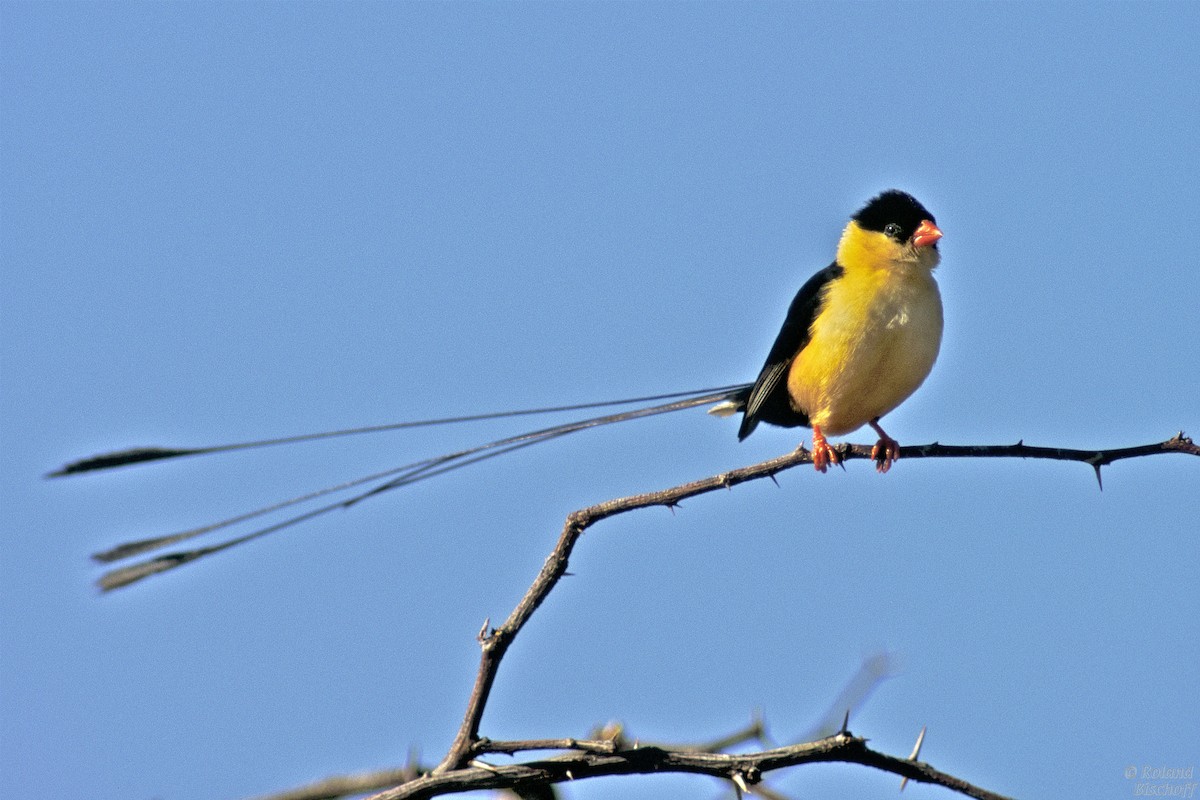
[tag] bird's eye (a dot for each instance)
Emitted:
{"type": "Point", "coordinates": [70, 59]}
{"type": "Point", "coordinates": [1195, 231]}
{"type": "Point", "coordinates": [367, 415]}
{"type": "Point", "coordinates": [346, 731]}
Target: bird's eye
{"type": "Point", "coordinates": [892, 230]}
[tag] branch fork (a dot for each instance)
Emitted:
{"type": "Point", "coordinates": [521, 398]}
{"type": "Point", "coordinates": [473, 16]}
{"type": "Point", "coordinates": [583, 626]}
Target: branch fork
{"type": "Point", "coordinates": [460, 770]}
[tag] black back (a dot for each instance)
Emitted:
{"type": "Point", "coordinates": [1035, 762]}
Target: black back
{"type": "Point", "coordinates": [769, 400]}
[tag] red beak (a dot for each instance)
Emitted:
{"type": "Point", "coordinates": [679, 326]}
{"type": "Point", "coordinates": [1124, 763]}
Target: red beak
{"type": "Point", "coordinates": [926, 234]}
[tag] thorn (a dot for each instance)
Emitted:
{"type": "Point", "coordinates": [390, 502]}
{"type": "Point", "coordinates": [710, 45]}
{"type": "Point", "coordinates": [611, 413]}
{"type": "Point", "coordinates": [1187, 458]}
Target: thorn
{"type": "Point", "coordinates": [475, 762]}
{"type": "Point", "coordinates": [1098, 480]}
{"type": "Point", "coordinates": [774, 480]}
{"type": "Point", "coordinates": [845, 731]}
{"type": "Point", "coordinates": [568, 574]}
{"type": "Point", "coordinates": [917, 747]}
{"type": "Point", "coordinates": [569, 775]}
{"type": "Point", "coordinates": [916, 752]}
{"type": "Point", "coordinates": [483, 636]}
{"type": "Point", "coordinates": [739, 781]}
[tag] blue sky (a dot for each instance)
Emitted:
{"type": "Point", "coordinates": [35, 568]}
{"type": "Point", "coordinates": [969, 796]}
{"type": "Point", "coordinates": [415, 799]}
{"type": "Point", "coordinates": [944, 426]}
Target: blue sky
{"type": "Point", "coordinates": [223, 222]}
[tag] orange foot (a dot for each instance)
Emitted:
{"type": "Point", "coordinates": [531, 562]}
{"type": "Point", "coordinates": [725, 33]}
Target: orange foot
{"type": "Point", "coordinates": [822, 454]}
{"type": "Point", "coordinates": [885, 451]}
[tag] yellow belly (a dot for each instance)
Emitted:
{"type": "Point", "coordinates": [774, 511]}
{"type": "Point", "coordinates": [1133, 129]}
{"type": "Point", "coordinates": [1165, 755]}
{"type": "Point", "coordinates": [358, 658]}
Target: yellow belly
{"type": "Point", "coordinates": [872, 345]}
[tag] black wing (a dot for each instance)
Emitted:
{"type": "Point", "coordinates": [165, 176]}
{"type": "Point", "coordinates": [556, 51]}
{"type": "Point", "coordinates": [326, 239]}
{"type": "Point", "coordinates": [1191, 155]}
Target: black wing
{"type": "Point", "coordinates": [768, 400]}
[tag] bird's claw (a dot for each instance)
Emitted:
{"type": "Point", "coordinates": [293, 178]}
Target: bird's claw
{"type": "Point", "coordinates": [823, 453]}
{"type": "Point", "coordinates": [884, 453]}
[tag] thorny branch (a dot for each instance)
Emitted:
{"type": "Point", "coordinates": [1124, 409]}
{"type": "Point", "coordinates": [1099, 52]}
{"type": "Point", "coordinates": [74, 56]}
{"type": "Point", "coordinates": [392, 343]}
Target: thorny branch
{"type": "Point", "coordinates": [743, 769]}
{"type": "Point", "coordinates": [619, 756]}
{"type": "Point", "coordinates": [496, 641]}
{"type": "Point", "coordinates": [607, 739]}
{"type": "Point", "coordinates": [459, 770]}
{"type": "Point", "coordinates": [607, 752]}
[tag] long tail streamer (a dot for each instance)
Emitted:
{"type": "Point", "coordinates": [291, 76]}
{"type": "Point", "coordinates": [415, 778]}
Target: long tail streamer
{"type": "Point", "coordinates": [384, 481]}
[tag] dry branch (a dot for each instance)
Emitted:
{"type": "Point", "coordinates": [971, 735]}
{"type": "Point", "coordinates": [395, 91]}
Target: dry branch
{"type": "Point", "coordinates": [461, 770]}
{"type": "Point", "coordinates": [606, 739]}
{"type": "Point", "coordinates": [743, 768]}
{"type": "Point", "coordinates": [347, 785]}
{"type": "Point", "coordinates": [495, 642]}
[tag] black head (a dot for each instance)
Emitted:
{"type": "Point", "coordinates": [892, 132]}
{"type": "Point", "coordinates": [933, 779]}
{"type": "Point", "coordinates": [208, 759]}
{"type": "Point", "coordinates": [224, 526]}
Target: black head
{"type": "Point", "coordinates": [893, 208]}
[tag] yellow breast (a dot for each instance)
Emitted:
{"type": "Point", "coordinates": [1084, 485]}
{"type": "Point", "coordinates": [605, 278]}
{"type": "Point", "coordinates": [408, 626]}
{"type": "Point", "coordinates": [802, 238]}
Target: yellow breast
{"type": "Point", "coordinates": [873, 343]}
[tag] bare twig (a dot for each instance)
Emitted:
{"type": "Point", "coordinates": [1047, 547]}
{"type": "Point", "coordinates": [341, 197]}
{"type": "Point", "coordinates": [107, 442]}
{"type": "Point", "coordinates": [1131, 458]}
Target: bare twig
{"type": "Point", "coordinates": [611, 738]}
{"type": "Point", "coordinates": [849, 452]}
{"type": "Point", "coordinates": [536, 777]}
{"type": "Point", "coordinates": [347, 785]}
{"type": "Point", "coordinates": [756, 731]}
{"type": "Point", "coordinates": [610, 753]}
{"type": "Point", "coordinates": [750, 767]}
{"type": "Point", "coordinates": [486, 745]}
{"type": "Point", "coordinates": [605, 739]}
{"type": "Point", "coordinates": [496, 643]}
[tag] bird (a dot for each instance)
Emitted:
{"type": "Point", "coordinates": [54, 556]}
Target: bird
{"type": "Point", "coordinates": [860, 336]}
